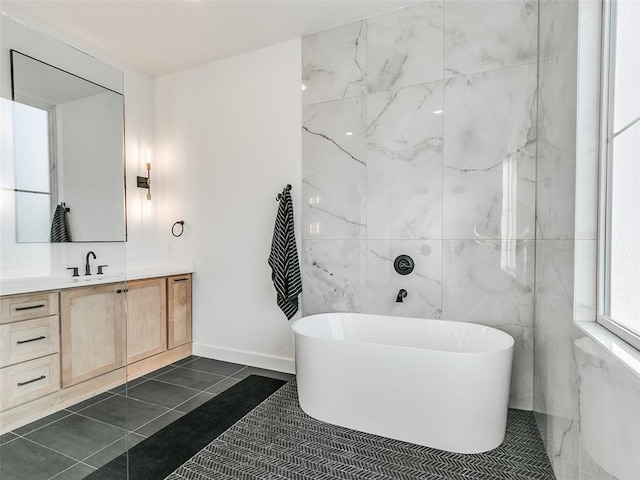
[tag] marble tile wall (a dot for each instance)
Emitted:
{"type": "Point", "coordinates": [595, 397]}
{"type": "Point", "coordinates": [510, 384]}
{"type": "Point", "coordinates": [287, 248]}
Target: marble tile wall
{"type": "Point", "coordinates": [419, 138]}
{"type": "Point", "coordinates": [585, 401]}
{"type": "Point", "coordinates": [452, 132]}
{"type": "Point", "coordinates": [609, 392]}
{"type": "Point", "coordinates": [556, 358]}
{"type": "Point", "coordinates": [609, 399]}
{"type": "Point", "coordinates": [557, 354]}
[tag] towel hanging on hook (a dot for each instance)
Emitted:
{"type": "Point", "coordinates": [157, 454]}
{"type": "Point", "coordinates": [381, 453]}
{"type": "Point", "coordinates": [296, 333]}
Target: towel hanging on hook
{"type": "Point", "coordinates": [286, 189]}
{"type": "Point", "coordinates": [60, 231]}
{"type": "Point", "coordinates": [283, 259]}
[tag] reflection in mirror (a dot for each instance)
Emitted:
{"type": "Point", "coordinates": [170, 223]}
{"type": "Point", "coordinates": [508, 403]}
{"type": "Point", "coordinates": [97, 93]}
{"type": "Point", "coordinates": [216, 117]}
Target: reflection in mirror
{"type": "Point", "coordinates": [61, 140]}
{"type": "Point", "coordinates": [68, 156]}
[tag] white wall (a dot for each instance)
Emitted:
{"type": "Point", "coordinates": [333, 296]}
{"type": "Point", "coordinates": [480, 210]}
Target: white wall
{"type": "Point", "coordinates": [228, 140]}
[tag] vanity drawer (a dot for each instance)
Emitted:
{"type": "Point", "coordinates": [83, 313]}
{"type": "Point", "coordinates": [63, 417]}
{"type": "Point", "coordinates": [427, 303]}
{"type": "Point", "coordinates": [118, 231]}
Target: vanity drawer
{"type": "Point", "coordinates": [29, 380]}
{"type": "Point", "coordinates": [22, 341]}
{"type": "Point", "coordinates": [24, 307]}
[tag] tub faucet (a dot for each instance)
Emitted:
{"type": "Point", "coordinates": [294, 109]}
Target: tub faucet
{"type": "Point", "coordinates": [87, 266]}
{"type": "Point", "coordinates": [401, 295]}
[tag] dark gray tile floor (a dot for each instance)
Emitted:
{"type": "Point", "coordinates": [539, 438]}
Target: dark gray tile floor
{"type": "Point", "coordinates": [72, 443]}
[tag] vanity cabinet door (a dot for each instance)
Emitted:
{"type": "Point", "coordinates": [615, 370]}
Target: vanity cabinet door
{"type": "Point", "coordinates": [92, 332]}
{"type": "Point", "coordinates": [146, 318]}
{"type": "Point", "coordinates": [179, 310]}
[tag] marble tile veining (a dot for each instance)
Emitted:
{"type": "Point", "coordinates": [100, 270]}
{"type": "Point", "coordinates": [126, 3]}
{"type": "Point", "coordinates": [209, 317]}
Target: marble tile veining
{"type": "Point", "coordinates": [491, 282]}
{"type": "Point", "coordinates": [557, 341]}
{"type": "Point", "coordinates": [404, 47]}
{"type": "Point", "coordinates": [609, 400]}
{"type": "Point", "coordinates": [563, 446]}
{"type": "Point", "coordinates": [558, 24]}
{"type": "Point", "coordinates": [585, 292]}
{"type": "Point", "coordinates": [555, 213]}
{"type": "Point", "coordinates": [334, 63]}
{"type": "Point", "coordinates": [489, 154]}
{"type": "Point", "coordinates": [396, 159]}
{"type": "Point", "coordinates": [404, 163]}
{"type": "Point", "coordinates": [555, 284]}
{"type": "Point", "coordinates": [556, 366]}
{"type": "Point", "coordinates": [333, 147]}
{"type": "Point", "coordinates": [488, 35]}
{"type": "Point", "coordinates": [423, 287]}
{"type": "Point", "coordinates": [557, 104]}
{"type": "Point", "coordinates": [333, 276]}
{"type": "Point", "coordinates": [556, 166]}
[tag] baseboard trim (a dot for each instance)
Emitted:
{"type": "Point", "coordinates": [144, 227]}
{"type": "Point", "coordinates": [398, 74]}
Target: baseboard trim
{"type": "Point", "coordinates": [253, 359]}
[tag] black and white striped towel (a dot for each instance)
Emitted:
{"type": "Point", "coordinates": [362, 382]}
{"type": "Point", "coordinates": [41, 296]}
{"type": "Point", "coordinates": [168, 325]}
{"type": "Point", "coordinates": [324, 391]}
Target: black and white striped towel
{"type": "Point", "coordinates": [283, 260]}
{"type": "Point", "coordinates": [59, 227]}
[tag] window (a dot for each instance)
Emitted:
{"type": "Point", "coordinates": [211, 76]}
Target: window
{"type": "Point", "coordinates": [619, 289]}
{"type": "Point", "coordinates": [32, 133]}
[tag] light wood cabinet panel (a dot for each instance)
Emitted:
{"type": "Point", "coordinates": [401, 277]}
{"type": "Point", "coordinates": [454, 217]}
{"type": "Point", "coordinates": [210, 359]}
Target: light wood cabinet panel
{"type": "Point", "coordinates": [146, 318]}
{"type": "Point", "coordinates": [29, 380]}
{"type": "Point", "coordinates": [59, 348]}
{"type": "Point", "coordinates": [92, 332]}
{"type": "Point", "coordinates": [29, 339]}
{"type": "Point", "coordinates": [24, 307]}
{"type": "Point", "coordinates": [179, 310]}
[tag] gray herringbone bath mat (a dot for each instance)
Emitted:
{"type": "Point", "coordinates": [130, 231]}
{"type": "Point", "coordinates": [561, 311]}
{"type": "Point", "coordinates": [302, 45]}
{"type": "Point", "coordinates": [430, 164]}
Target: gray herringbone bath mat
{"type": "Point", "coordinates": [277, 440]}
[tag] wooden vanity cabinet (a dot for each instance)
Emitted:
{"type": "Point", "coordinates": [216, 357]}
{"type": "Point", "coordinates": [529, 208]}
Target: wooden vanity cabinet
{"type": "Point", "coordinates": [60, 348]}
{"type": "Point", "coordinates": [146, 318]}
{"type": "Point", "coordinates": [179, 310]}
{"type": "Point", "coordinates": [92, 332]}
{"type": "Point", "coordinates": [29, 346]}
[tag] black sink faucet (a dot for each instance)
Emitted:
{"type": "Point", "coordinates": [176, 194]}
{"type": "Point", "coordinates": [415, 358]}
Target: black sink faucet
{"type": "Point", "coordinates": [87, 266]}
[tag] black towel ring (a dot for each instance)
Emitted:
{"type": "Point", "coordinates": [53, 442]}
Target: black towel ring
{"type": "Point", "coordinates": [173, 229]}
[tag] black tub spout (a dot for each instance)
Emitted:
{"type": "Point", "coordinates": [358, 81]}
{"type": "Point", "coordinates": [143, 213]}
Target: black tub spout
{"type": "Point", "coordinates": [401, 295]}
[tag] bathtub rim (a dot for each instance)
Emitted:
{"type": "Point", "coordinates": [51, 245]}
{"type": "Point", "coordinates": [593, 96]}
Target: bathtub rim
{"type": "Point", "coordinates": [510, 338]}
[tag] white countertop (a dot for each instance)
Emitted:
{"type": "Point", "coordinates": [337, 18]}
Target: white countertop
{"type": "Point", "coordinates": [40, 284]}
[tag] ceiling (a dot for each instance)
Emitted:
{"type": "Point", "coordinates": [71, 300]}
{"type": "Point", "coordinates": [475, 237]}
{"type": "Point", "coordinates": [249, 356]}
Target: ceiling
{"type": "Point", "coordinates": [163, 36]}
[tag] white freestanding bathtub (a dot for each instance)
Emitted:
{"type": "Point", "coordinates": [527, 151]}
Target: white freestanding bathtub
{"type": "Point", "coordinates": [437, 383]}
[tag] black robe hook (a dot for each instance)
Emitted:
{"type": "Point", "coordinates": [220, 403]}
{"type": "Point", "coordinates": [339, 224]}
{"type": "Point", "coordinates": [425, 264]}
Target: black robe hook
{"type": "Point", "coordinates": [286, 189]}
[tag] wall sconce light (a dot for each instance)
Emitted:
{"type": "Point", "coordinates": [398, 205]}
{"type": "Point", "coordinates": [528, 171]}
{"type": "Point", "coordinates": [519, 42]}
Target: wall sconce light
{"type": "Point", "coordinates": [145, 182]}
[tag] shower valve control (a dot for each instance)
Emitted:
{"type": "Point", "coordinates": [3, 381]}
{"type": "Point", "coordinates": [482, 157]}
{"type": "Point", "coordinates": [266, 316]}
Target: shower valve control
{"type": "Point", "coordinates": [404, 264]}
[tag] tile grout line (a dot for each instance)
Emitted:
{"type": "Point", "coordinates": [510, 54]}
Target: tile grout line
{"type": "Point", "coordinates": [51, 449]}
{"type": "Point", "coordinates": [45, 425]}
{"type": "Point", "coordinates": [125, 437]}
{"type": "Point", "coordinates": [174, 408]}
{"type": "Point", "coordinates": [127, 433]}
{"type": "Point", "coordinates": [58, 475]}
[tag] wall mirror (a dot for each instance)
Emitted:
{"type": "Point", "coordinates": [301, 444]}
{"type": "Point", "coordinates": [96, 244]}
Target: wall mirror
{"type": "Point", "coordinates": [68, 155]}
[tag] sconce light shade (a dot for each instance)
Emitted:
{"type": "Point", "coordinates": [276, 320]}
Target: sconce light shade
{"type": "Point", "coordinates": [145, 182]}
